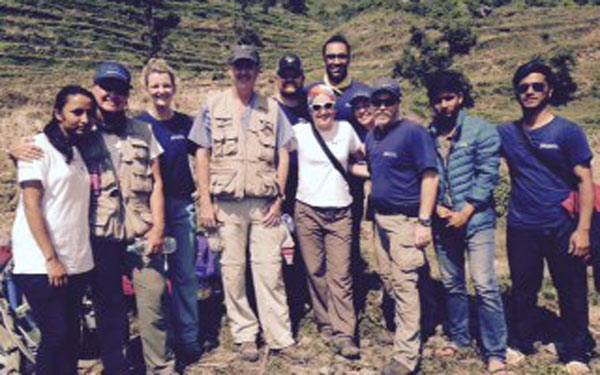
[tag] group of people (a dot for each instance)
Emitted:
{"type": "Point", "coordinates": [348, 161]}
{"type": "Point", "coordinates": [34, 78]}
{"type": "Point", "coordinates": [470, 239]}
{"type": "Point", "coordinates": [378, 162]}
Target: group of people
{"type": "Point", "coordinates": [310, 153]}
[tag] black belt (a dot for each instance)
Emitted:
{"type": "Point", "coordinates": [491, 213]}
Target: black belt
{"type": "Point", "coordinates": [408, 210]}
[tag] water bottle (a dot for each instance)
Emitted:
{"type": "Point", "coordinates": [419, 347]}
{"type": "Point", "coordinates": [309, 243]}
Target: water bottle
{"type": "Point", "coordinates": [287, 245]}
{"type": "Point", "coordinates": [140, 246]}
{"type": "Point", "coordinates": [289, 222]}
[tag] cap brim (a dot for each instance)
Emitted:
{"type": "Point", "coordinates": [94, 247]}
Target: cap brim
{"type": "Point", "coordinates": [386, 90]}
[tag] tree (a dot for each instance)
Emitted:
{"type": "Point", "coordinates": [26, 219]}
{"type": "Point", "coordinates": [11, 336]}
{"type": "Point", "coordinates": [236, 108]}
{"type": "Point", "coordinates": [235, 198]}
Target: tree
{"type": "Point", "coordinates": [296, 6]}
{"type": "Point", "coordinates": [157, 27]}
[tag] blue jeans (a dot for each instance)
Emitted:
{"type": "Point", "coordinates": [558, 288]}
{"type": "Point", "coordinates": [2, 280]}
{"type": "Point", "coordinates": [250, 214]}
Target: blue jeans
{"type": "Point", "coordinates": [451, 246]}
{"type": "Point", "coordinates": [181, 224]}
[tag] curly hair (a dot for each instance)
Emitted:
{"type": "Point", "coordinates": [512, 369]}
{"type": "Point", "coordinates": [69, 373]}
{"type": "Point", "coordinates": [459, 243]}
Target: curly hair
{"type": "Point", "coordinates": [449, 81]}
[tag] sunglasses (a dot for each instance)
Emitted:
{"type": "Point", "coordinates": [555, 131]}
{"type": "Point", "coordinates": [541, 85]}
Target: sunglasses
{"type": "Point", "coordinates": [290, 76]}
{"type": "Point", "coordinates": [244, 64]}
{"type": "Point", "coordinates": [115, 87]}
{"type": "Point", "coordinates": [318, 107]}
{"type": "Point", "coordinates": [385, 102]}
{"type": "Point", "coordinates": [536, 86]}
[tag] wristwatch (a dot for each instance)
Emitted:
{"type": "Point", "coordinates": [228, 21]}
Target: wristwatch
{"type": "Point", "coordinates": [424, 222]}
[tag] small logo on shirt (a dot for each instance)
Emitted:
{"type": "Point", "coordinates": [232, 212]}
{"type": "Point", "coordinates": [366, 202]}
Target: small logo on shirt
{"type": "Point", "coordinates": [390, 154]}
{"type": "Point", "coordinates": [176, 137]}
{"type": "Point", "coordinates": [549, 146]}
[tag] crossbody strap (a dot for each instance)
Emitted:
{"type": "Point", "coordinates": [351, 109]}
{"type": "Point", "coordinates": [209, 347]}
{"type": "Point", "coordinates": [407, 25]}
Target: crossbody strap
{"type": "Point", "coordinates": [558, 171]}
{"type": "Point", "coordinates": [336, 163]}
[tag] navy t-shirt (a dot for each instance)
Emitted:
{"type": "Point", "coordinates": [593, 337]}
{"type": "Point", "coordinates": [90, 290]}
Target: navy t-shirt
{"type": "Point", "coordinates": [172, 135]}
{"type": "Point", "coordinates": [537, 191]}
{"type": "Point", "coordinates": [397, 156]}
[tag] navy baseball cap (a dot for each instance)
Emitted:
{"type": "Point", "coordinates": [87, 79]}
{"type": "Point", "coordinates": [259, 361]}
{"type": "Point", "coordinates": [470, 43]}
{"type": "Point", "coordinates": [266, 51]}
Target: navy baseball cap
{"type": "Point", "coordinates": [389, 85]}
{"type": "Point", "coordinates": [113, 71]}
{"type": "Point", "coordinates": [361, 93]}
{"type": "Point", "coordinates": [290, 62]}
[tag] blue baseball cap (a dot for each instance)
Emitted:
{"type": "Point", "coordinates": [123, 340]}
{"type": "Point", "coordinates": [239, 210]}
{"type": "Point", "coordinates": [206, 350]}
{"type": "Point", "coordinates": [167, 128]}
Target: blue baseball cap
{"type": "Point", "coordinates": [386, 84]}
{"type": "Point", "coordinates": [114, 71]}
{"type": "Point", "coordinates": [361, 93]}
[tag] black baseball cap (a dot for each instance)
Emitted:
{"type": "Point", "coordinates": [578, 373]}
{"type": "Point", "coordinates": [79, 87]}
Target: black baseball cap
{"type": "Point", "coordinates": [290, 62]}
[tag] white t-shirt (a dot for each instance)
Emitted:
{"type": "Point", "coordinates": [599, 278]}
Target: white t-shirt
{"type": "Point", "coordinates": [65, 205]}
{"type": "Point", "coordinates": [319, 183]}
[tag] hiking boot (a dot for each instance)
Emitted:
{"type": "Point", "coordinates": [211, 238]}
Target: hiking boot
{"type": "Point", "coordinates": [326, 334]}
{"type": "Point", "coordinates": [385, 338]}
{"type": "Point", "coordinates": [346, 347]}
{"type": "Point", "coordinates": [496, 366]}
{"type": "Point", "coordinates": [291, 353]}
{"type": "Point", "coordinates": [577, 368]}
{"type": "Point", "coordinates": [395, 368]}
{"type": "Point", "coordinates": [249, 351]}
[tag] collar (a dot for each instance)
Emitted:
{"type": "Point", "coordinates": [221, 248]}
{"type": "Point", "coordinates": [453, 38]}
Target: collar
{"type": "Point", "coordinates": [460, 119]}
{"type": "Point", "coordinates": [340, 87]}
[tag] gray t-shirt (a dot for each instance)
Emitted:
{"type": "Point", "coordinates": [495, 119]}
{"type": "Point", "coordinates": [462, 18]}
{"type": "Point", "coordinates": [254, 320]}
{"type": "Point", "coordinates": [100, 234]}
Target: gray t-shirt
{"type": "Point", "coordinates": [201, 130]}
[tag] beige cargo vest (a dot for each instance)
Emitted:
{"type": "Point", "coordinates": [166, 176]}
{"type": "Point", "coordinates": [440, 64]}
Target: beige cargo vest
{"type": "Point", "coordinates": [243, 160]}
{"type": "Point", "coordinates": [120, 201]}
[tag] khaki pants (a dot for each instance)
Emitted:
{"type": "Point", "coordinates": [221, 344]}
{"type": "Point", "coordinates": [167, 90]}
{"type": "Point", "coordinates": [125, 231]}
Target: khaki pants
{"type": "Point", "coordinates": [152, 300]}
{"type": "Point", "coordinates": [325, 237]}
{"type": "Point", "coordinates": [399, 261]}
{"type": "Point", "coordinates": [242, 223]}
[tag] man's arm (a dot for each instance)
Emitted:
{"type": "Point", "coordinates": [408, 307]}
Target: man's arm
{"type": "Point", "coordinates": [207, 212]}
{"type": "Point", "coordinates": [156, 235]}
{"type": "Point", "coordinates": [429, 186]}
{"type": "Point", "coordinates": [580, 239]}
{"type": "Point", "coordinates": [25, 150]}
{"type": "Point", "coordinates": [33, 193]}
{"type": "Point", "coordinates": [487, 176]}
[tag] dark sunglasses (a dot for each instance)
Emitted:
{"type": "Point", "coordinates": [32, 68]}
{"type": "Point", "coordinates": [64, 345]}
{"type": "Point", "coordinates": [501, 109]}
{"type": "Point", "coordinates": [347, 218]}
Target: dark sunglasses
{"type": "Point", "coordinates": [244, 64]}
{"type": "Point", "coordinates": [118, 88]}
{"type": "Point", "coordinates": [339, 56]}
{"type": "Point", "coordinates": [318, 107]}
{"type": "Point", "coordinates": [536, 86]}
{"type": "Point", "coordinates": [385, 102]}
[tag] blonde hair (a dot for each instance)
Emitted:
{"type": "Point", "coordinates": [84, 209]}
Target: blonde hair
{"type": "Point", "coordinates": [157, 65]}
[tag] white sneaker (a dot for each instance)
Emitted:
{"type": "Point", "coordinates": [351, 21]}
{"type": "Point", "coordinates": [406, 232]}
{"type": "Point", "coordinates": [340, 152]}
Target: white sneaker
{"type": "Point", "coordinates": [514, 356]}
{"type": "Point", "coordinates": [577, 368]}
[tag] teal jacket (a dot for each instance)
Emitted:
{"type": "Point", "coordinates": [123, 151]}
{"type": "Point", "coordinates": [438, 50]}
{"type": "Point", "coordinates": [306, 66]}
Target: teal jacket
{"type": "Point", "coordinates": [472, 171]}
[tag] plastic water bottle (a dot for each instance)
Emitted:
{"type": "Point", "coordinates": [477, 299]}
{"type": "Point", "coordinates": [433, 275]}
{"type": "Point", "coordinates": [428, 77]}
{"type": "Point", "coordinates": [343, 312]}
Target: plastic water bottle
{"type": "Point", "coordinates": [140, 246]}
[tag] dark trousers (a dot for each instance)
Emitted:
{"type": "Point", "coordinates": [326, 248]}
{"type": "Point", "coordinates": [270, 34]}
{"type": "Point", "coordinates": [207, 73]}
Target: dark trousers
{"type": "Point", "coordinates": [527, 249]}
{"type": "Point", "coordinates": [56, 311]}
{"type": "Point", "coordinates": [110, 304]}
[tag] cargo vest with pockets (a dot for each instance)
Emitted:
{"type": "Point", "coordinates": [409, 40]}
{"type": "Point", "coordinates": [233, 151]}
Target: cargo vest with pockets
{"type": "Point", "coordinates": [243, 160]}
{"type": "Point", "coordinates": [120, 198]}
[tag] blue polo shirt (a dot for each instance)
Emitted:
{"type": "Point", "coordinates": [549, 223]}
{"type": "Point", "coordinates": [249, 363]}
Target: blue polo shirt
{"type": "Point", "coordinates": [397, 156]}
{"type": "Point", "coordinates": [172, 135]}
{"type": "Point", "coordinates": [538, 188]}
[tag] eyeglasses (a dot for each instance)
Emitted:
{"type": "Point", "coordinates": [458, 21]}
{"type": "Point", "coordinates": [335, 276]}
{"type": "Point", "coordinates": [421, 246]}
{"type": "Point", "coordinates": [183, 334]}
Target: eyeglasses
{"type": "Point", "coordinates": [318, 107]}
{"type": "Point", "coordinates": [339, 56]}
{"type": "Point", "coordinates": [384, 102]}
{"type": "Point", "coordinates": [536, 86]}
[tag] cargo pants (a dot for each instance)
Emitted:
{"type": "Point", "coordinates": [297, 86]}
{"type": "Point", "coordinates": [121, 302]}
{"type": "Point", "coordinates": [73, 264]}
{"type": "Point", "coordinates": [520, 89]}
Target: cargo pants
{"type": "Point", "coordinates": [241, 228]}
{"type": "Point", "coordinates": [399, 262]}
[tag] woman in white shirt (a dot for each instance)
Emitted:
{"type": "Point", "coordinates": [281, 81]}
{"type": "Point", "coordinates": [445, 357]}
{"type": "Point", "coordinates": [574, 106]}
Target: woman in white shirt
{"type": "Point", "coordinates": [323, 217]}
{"type": "Point", "coordinates": [50, 236]}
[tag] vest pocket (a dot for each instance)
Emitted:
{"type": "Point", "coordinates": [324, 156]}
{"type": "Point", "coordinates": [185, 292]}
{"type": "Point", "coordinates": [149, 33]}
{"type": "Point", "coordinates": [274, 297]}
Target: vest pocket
{"type": "Point", "coordinates": [222, 181]}
{"type": "Point", "coordinates": [141, 179]}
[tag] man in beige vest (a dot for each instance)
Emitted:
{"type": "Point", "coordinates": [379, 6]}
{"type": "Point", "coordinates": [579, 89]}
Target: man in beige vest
{"type": "Point", "coordinates": [242, 167]}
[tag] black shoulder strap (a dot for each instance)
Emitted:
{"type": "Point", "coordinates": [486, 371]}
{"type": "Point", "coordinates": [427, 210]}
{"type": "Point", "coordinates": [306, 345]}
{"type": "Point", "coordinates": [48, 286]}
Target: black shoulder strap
{"type": "Point", "coordinates": [568, 177]}
{"type": "Point", "coordinates": [336, 163]}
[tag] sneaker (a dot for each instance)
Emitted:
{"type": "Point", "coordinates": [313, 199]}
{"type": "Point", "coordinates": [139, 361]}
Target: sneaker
{"type": "Point", "coordinates": [346, 347]}
{"type": "Point", "coordinates": [577, 368]}
{"type": "Point", "coordinates": [326, 334]}
{"type": "Point", "coordinates": [514, 357]}
{"type": "Point", "coordinates": [395, 368]}
{"type": "Point", "coordinates": [249, 351]}
{"type": "Point", "coordinates": [292, 353]}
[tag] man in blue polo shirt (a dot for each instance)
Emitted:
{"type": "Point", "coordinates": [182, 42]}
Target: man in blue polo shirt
{"type": "Point", "coordinates": [402, 163]}
{"type": "Point", "coordinates": [548, 158]}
